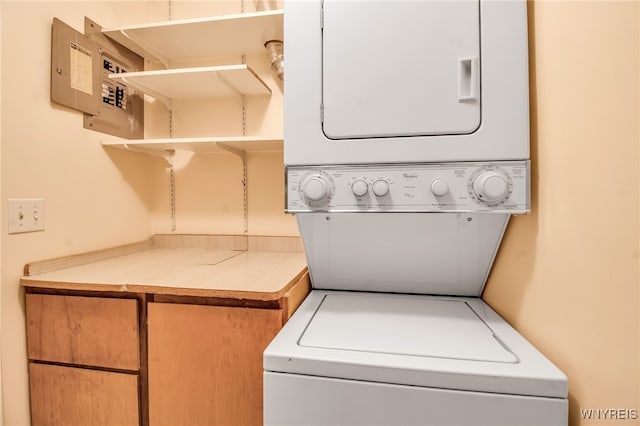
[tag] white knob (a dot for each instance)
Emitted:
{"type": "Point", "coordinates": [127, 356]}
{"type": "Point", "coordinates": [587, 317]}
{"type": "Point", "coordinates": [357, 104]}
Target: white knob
{"type": "Point", "coordinates": [359, 188]}
{"type": "Point", "coordinates": [380, 187]}
{"type": "Point", "coordinates": [315, 188]}
{"type": "Point", "coordinates": [490, 186]}
{"type": "Point", "coordinates": [439, 187]}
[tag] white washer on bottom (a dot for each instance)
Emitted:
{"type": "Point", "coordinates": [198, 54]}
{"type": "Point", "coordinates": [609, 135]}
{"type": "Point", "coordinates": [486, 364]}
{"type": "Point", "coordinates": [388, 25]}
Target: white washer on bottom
{"type": "Point", "coordinates": [355, 358]}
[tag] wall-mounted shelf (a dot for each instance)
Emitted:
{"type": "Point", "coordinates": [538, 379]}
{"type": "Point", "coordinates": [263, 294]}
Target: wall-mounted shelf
{"type": "Point", "coordinates": [199, 145]}
{"type": "Point", "coordinates": [171, 41]}
{"type": "Point", "coordinates": [191, 83]}
{"type": "Point", "coordinates": [199, 41]}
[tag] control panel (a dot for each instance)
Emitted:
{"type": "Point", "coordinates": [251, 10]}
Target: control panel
{"type": "Point", "coordinates": [461, 187]}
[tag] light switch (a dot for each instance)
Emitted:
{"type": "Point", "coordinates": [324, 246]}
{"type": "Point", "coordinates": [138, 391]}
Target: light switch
{"type": "Point", "coordinates": [26, 215]}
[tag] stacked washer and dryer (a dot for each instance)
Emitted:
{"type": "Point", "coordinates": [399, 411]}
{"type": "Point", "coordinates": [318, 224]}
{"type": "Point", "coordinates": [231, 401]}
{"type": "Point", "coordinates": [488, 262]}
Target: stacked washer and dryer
{"type": "Point", "coordinates": [406, 153]}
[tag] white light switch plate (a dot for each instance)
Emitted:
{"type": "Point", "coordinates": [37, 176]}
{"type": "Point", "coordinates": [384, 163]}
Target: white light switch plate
{"type": "Point", "coordinates": [26, 215]}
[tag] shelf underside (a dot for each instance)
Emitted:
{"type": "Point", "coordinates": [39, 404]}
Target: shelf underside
{"type": "Point", "coordinates": [173, 41]}
{"type": "Point", "coordinates": [190, 83]}
{"type": "Point", "coordinates": [200, 145]}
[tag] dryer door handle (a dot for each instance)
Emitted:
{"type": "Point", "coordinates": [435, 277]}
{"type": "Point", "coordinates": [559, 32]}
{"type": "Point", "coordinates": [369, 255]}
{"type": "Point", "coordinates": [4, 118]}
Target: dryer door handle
{"type": "Point", "coordinates": [468, 79]}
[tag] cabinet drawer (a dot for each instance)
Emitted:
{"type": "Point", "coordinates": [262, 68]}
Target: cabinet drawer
{"type": "Point", "coordinates": [92, 331]}
{"type": "Point", "coordinates": [77, 396]}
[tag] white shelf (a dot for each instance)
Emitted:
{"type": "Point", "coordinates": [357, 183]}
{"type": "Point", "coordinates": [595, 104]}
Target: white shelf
{"type": "Point", "coordinates": [189, 83]}
{"type": "Point", "coordinates": [172, 41]}
{"type": "Point", "coordinates": [199, 145]}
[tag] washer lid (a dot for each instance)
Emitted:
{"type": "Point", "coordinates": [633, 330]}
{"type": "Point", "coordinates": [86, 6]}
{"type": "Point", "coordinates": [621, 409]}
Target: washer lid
{"type": "Point", "coordinates": [382, 338]}
{"type": "Point", "coordinates": [402, 326]}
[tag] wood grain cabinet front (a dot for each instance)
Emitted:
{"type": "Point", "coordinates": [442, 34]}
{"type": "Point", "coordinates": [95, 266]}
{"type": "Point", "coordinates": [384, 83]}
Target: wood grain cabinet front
{"type": "Point", "coordinates": [62, 395]}
{"type": "Point", "coordinates": [90, 331]}
{"type": "Point", "coordinates": [205, 363]}
{"type": "Point", "coordinates": [84, 355]}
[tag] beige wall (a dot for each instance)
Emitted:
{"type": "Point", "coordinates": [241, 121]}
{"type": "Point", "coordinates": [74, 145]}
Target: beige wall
{"type": "Point", "coordinates": [567, 275]}
{"type": "Point", "coordinates": [97, 198]}
{"type": "Point", "coordinates": [94, 198]}
{"type": "Point", "coordinates": [1, 404]}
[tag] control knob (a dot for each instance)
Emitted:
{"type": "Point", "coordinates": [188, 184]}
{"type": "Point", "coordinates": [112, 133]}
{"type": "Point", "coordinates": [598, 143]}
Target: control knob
{"type": "Point", "coordinates": [380, 187]}
{"type": "Point", "coordinates": [439, 187]}
{"type": "Point", "coordinates": [359, 188]}
{"type": "Point", "coordinates": [315, 188]}
{"type": "Point", "coordinates": [491, 186]}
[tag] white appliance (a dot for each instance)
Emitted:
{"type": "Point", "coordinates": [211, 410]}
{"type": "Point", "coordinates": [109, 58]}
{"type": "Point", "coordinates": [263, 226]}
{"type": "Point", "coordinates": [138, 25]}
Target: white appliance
{"type": "Point", "coordinates": [406, 152]}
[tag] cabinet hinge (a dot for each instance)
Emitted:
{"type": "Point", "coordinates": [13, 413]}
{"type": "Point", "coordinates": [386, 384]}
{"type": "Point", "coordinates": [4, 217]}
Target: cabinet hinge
{"type": "Point", "coordinates": [322, 113]}
{"type": "Point", "coordinates": [322, 17]}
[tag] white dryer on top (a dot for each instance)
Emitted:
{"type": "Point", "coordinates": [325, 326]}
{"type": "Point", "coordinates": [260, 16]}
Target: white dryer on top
{"type": "Point", "coordinates": [405, 81]}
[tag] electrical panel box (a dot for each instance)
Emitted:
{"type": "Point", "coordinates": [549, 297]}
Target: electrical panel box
{"type": "Point", "coordinates": [80, 68]}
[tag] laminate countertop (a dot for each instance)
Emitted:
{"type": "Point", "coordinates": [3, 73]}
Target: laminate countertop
{"type": "Point", "coordinates": [226, 266]}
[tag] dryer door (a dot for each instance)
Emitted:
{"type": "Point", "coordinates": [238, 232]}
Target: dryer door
{"type": "Point", "coordinates": [405, 81]}
{"type": "Point", "coordinates": [400, 68]}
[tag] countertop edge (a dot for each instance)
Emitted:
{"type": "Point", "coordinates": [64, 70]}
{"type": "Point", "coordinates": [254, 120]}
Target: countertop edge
{"type": "Point", "coordinates": [32, 270]}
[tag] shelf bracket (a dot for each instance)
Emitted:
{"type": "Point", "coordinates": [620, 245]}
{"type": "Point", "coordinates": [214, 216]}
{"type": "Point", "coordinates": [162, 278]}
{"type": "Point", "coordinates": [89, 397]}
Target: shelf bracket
{"type": "Point", "coordinates": [172, 194]}
{"type": "Point", "coordinates": [151, 52]}
{"type": "Point", "coordinates": [165, 100]}
{"type": "Point", "coordinates": [167, 155]}
{"type": "Point", "coordinates": [240, 153]}
{"type": "Point", "coordinates": [245, 197]}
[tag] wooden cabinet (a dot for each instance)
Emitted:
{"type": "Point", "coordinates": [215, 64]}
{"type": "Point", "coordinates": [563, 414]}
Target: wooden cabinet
{"type": "Point", "coordinates": [84, 355]}
{"type": "Point", "coordinates": [62, 395]}
{"type": "Point", "coordinates": [205, 363]}
{"type": "Point", "coordinates": [92, 331]}
{"type": "Point", "coordinates": [180, 342]}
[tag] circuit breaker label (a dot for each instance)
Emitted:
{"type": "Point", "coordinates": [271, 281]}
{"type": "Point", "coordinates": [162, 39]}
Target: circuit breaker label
{"type": "Point", "coordinates": [81, 69]}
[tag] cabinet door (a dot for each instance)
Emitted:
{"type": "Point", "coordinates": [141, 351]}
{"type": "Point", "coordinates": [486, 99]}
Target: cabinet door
{"type": "Point", "coordinates": [95, 331]}
{"type": "Point", "coordinates": [77, 396]}
{"type": "Point", "coordinates": [205, 363]}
